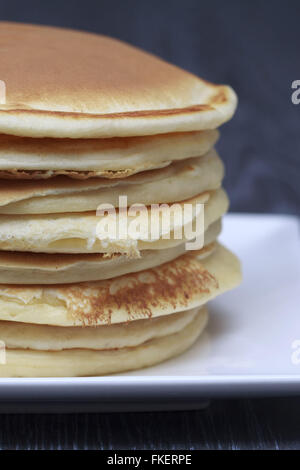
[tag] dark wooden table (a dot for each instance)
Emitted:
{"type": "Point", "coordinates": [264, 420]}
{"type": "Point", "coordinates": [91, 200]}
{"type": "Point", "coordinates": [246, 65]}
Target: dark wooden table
{"type": "Point", "coordinates": [270, 423]}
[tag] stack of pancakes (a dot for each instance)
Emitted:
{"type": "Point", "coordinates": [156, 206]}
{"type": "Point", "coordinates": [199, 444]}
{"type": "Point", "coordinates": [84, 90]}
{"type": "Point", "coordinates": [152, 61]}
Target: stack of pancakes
{"type": "Point", "coordinates": [86, 119]}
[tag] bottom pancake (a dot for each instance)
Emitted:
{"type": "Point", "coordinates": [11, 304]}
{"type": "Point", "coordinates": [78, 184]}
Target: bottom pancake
{"type": "Point", "coordinates": [86, 362]}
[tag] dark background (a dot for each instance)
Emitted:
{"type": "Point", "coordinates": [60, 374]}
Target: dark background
{"type": "Point", "coordinates": [253, 46]}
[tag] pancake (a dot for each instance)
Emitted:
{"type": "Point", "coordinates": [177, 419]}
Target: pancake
{"type": "Point", "coordinates": [182, 284]}
{"type": "Point", "coordinates": [29, 158]}
{"type": "Point", "coordinates": [64, 83]}
{"type": "Point", "coordinates": [177, 182]}
{"type": "Point", "coordinates": [84, 362]}
{"type": "Point", "coordinates": [38, 268]}
{"type": "Point", "coordinates": [121, 335]}
{"type": "Point", "coordinates": [80, 232]}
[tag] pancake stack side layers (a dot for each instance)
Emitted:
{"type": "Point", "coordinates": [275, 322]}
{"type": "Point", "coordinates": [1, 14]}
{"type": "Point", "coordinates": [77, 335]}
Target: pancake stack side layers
{"type": "Point", "coordinates": [111, 203]}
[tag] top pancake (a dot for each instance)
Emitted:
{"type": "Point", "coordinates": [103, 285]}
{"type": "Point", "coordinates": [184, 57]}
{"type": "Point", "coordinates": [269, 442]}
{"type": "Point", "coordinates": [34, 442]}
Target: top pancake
{"type": "Point", "coordinates": [64, 83]}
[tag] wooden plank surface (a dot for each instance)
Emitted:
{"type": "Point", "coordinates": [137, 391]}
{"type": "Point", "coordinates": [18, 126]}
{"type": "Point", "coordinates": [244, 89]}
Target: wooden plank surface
{"type": "Point", "coordinates": [238, 424]}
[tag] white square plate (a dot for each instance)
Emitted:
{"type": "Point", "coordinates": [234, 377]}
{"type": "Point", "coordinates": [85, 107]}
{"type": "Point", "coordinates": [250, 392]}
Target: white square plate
{"type": "Point", "coordinates": [251, 346]}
